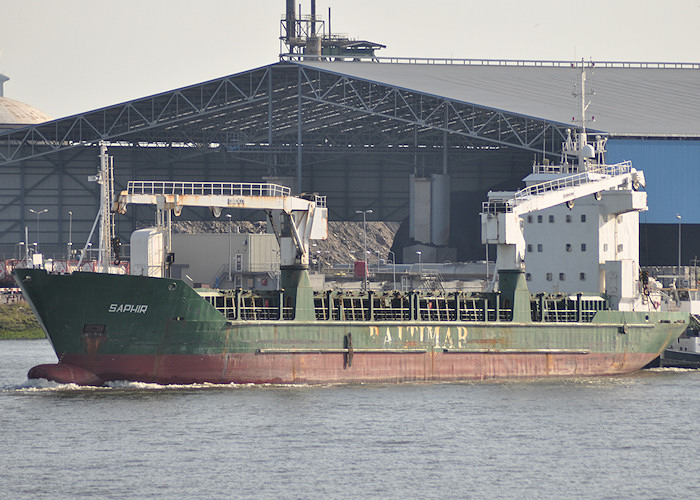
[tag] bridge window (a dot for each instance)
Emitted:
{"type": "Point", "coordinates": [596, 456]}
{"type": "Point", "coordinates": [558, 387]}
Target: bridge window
{"type": "Point", "coordinates": [583, 247]}
{"type": "Point", "coordinates": [539, 247]}
{"type": "Point", "coordinates": [539, 219]}
{"type": "Point", "coordinates": [583, 217]}
{"type": "Point", "coordinates": [551, 219]}
{"type": "Point", "coordinates": [549, 276]}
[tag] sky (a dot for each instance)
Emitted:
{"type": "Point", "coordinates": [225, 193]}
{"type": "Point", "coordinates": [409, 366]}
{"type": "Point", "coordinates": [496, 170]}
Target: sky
{"type": "Point", "coordinates": [70, 56]}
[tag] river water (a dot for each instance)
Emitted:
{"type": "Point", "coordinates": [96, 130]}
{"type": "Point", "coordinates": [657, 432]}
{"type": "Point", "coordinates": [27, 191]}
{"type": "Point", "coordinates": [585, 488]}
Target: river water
{"type": "Point", "coordinates": [630, 436]}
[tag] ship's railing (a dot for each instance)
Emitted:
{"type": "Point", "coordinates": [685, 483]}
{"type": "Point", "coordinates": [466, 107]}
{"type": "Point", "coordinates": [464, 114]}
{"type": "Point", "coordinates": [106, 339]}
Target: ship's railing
{"type": "Point", "coordinates": [414, 306]}
{"type": "Point", "coordinates": [549, 63]}
{"type": "Point", "coordinates": [240, 305]}
{"type": "Point", "coordinates": [564, 308]}
{"type": "Point", "coordinates": [437, 309]}
{"type": "Point", "coordinates": [207, 188]}
{"type": "Point", "coordinates": [407, 307]}
{"type": "Point", "coordinates": [481, 309]}
{"type": "Point", "coordinates": [392, 308]}
{"type": "Point", "coordinates": [567, 168]}
{"type": "Point", "coordinates": [507, 205]}
{"type": "Point", "coordinates": [225, 304]}
{"type": "Point", "coordinates": [254, 307]}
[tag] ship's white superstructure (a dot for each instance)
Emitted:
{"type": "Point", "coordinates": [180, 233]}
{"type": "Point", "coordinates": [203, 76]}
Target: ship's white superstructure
{"type": "Point", "coordinates": [572, 248]}
{"type": "Point", "coordinates": [575, 226]}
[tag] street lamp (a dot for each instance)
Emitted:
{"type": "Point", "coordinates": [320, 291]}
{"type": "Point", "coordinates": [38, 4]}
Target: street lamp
{"type": "Point", "coordinates": [228, 216]}
{"type": "Point", "coordinates": [38, 213]}
{"type": "Point", "coordinates": [364, 257]}
{"type": "Point", "coordinates": [70, 235]}
{"type": "Point", "coordinates": [678, 216]}
{"type": "Point", "coordinates": [393, 261]}
{"type": "Point", "coordinates": [420, 262]}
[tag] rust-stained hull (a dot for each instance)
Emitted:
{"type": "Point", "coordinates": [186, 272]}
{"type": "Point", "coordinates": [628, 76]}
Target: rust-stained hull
{"type": "Point", "coordinates": [108, 327]}
{"type": "Point", "coordinates": [331, 368]}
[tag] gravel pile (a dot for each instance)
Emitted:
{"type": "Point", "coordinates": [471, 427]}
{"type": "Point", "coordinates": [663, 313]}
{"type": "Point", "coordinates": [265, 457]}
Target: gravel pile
{"type": "Point", "coordinates": [344, 244]}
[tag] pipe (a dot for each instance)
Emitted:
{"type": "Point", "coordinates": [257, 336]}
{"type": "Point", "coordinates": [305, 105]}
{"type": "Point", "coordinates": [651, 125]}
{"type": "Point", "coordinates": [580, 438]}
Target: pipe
{"type": "Point", "coordinates": [313, 18]}
{"type": "Point", "coordinates": [291, 21]}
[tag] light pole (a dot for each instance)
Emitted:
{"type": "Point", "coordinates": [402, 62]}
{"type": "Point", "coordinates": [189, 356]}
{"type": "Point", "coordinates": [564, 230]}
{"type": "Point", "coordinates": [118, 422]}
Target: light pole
{"type": "Point", "coordinates": [364, 256]}
{"type": "Point", "coordinates": [70, 235]}
{"type": "Point", "coordinates": [228, 216]}
{"type": "Point", "coordinates": [20, 246]}
{"type": "Point", "coordinates": [678, 216]}
{"type": "Point", "coordinates": [393, 261]}
{"type": "Point", "coordinates": [420, 261]}
{"type": "Point", "coordinates": [38, 213]}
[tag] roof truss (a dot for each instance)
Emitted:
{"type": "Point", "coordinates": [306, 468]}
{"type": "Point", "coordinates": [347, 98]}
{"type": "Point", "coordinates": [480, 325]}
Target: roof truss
{"type": "Point", "coordinates": [284, 108]}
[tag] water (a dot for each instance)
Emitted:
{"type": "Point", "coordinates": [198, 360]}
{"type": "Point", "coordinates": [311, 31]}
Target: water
{"type": "Point", "coordinates": [609, 437]}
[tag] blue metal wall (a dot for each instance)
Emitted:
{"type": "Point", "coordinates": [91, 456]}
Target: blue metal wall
{"type": "Point", "coordinates": [672, 171]}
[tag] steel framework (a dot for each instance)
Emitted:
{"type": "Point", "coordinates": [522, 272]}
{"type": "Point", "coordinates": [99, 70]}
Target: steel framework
{"type": "Point", "coordinates": [286, 120]}
{"type": "Point", "coordinates": [282, 107]}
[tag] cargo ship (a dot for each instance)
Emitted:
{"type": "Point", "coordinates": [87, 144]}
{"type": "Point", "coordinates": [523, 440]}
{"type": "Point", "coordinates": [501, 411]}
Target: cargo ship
{"type": "Point", "coordinates": [154, 328]}
{"type": "Point", "coordinates": [110, 327]}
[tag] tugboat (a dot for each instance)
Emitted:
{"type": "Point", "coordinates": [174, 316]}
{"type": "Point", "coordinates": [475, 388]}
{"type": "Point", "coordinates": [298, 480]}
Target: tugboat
{"type": "Point", "coordinates": [684, 352]}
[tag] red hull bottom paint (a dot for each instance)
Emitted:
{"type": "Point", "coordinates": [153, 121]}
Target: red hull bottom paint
{"type": "Point", "coordinates": [64, 373]}
{"type": "Point", "coordinates": [334, 368]}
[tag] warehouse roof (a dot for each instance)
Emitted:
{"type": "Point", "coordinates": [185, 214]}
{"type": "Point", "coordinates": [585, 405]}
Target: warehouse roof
{"type": "Point", "coordinates": [521, 104]}
{"type": "Point", "coordinates": [630, 99]}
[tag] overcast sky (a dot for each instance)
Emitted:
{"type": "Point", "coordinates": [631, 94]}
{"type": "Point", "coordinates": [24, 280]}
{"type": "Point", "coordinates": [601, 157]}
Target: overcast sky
{"type": "Point", "coordinates": [69, 56]}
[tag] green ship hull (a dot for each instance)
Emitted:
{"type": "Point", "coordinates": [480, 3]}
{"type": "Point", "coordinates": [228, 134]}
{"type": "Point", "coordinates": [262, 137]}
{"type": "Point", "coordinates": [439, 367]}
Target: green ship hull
{"type": "Point", "coordinates": [111, 327]}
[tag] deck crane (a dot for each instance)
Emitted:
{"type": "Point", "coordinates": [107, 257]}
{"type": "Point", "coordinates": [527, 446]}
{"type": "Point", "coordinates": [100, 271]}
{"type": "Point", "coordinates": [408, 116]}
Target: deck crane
{"type": "Point", "coordinates": [295, 220]}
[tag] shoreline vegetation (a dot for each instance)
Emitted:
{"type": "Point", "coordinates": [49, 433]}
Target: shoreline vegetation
{"type": "Point", "coordinates": [17, 322]}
